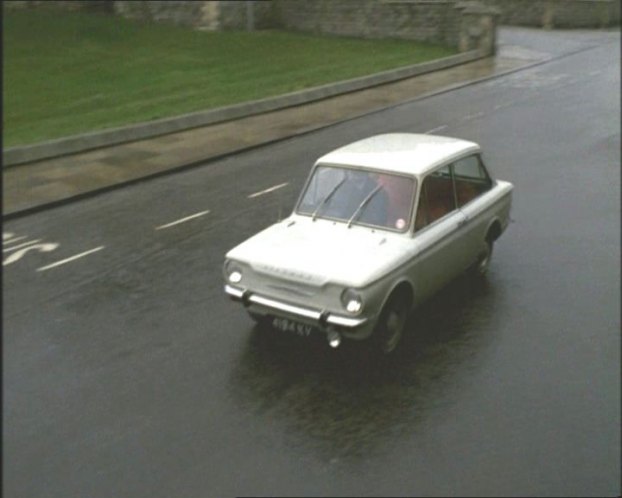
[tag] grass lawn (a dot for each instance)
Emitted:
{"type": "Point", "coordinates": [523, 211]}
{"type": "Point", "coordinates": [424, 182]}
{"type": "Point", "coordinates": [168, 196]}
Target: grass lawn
{"type": "Point", "coordinates": [67, 73]}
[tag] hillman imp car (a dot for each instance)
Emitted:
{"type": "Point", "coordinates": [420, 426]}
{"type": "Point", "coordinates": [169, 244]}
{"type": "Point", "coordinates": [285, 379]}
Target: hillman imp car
{"type": "Point", "coordinates": [381, 225]}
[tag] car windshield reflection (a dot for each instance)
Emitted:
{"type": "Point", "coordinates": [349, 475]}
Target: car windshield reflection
{"type": "Point", "coordinates": [357, 196]}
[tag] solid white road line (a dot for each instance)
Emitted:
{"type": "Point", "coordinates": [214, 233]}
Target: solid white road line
{"type": "Point", "coordinates": [268, 190]}
{"type": "Point", "coordinates": [202, 213]}
{"type": "Point", "coordinates": [72, 258]}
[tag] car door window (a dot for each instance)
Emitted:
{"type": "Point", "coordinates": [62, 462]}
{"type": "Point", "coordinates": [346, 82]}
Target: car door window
{"type": "Point", "coordinates": [436, 199]}
{"type": "Point", "coordinates": [471, 179]}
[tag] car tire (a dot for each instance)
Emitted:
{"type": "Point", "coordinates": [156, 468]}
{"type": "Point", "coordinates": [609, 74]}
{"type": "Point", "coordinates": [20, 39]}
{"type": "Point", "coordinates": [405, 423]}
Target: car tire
{"type": "Point", "coordinates": [390, 327]}
{"type": "Point", "coordinates": [480, 268]}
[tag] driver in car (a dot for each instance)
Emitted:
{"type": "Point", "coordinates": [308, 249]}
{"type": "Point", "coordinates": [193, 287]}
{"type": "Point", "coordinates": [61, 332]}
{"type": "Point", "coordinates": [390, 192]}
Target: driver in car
{"type": "Point", "coordinates": [361, 199]}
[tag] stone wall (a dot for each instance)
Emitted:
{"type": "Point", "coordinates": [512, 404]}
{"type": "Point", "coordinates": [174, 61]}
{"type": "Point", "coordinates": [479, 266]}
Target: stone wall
{"type": "Point", "coordinates": [74, 5]}
{"type": "Point", "coordinates": [459, 24]}
{"type": "Point", "coordinates": [181, 13]}
{"type": "Point", "coordinates": [421, 21]}
{"type": "Point", "coordinates": [558, 13]}
{"type": "Point", "coordinates": [462, 25]}
{"type": "Point", "coordinates": [443, 22]}
{"type": "Point", "coordinates": [247, 15]}
{"type": "Point", "coordinates": [207, 15]}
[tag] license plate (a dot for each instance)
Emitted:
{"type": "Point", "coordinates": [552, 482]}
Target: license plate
{"type": "Point", "coordinates": [301, 329]}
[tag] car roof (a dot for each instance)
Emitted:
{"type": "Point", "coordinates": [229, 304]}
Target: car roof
{"type": "Point", "coordinates": [409, 153]}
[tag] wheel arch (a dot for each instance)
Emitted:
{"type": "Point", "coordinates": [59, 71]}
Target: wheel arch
{"type": "Point", "coordinates": [494, 230]}
{"type": "Point", "coordinates": [403, 285]}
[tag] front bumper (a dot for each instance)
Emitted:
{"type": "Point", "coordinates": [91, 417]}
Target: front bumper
{"type": "Point", "coordinates": [321, 318]}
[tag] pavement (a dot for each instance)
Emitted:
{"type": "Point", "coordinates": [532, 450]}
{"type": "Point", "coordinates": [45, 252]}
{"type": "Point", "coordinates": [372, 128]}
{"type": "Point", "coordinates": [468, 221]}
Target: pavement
{"type": "Point", "coordinates": [43, 184]}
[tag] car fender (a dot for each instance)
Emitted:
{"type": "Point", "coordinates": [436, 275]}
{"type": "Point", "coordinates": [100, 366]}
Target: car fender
{"type": "Point", "coordinates": [399, 281]}
{"type": "Point", "coordinates": [490, 227]}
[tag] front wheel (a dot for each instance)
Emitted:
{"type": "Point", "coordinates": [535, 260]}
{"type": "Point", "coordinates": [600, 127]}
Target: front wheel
{"type": "Point", "coordinates": [390, 327]}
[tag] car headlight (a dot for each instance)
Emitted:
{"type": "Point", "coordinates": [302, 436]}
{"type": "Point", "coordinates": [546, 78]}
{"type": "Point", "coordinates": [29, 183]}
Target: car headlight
{"type": "Point", "coordinates": [352, 301]}
{"type": "Point", "coordinates": [233, 273]}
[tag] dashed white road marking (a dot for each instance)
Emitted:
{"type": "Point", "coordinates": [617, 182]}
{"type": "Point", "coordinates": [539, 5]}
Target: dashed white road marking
{"type": "Point", "coordinates": [438, 128]}
{"type": "Point", "coordinates": [268, 190]}
{"type": "Point", "coordinates": [72, 258]}
{"type": "Point", "coordinates": [24, 244]}
{"type": "Point", "coordinates": [191, 217]}
{"type": "Point", "coordinates": [503, 106]}
{"type": "Point", "coordinates": [473, 116]}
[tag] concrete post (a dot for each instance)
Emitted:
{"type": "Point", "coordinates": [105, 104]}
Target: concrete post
{"type": "Point", "coordinates": [478, 27]}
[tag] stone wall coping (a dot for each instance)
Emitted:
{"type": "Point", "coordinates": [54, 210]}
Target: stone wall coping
{"type": "Point", "coordinates": [475, 7]}
{"type": "Point", "coordinates": [419, 2]}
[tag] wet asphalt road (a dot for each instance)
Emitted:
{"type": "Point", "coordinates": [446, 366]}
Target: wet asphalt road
{"type": "Point", "coordinates": [127, 373]}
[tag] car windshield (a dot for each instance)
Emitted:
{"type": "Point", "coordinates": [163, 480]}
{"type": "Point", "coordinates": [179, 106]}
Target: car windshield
{"type": "Point", "coordinates": [358, 196]}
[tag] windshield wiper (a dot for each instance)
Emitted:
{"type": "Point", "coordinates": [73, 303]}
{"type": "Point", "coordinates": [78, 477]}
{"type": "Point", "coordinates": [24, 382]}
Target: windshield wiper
{"type": "Point", "coordinates": [363, 204]}
{"type": "Point", "coordinates": [327, 198]}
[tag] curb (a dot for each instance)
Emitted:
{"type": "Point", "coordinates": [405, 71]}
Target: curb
{"type": "Point", "coordinates": [14, 156]}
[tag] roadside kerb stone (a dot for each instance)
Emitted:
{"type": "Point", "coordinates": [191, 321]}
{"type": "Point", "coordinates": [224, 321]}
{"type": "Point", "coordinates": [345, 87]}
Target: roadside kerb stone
{"type": "Point", "coordinates": [14, 156]}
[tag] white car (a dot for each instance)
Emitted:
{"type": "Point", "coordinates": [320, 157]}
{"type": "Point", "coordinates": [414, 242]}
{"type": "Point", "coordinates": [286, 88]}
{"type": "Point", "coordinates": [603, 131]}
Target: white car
{"type": "Point", "coordinates": [381, 225]}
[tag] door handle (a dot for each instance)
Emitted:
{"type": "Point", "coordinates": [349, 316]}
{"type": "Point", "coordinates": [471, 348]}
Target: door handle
{"type": "Point", "coordinates": [463, 222]}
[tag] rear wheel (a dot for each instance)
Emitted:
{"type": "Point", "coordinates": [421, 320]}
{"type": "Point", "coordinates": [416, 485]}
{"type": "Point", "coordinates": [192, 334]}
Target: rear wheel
{"type": "Point", "coordinates": [483, 259]}
{"type": "Point", "coordinates": [390, 327]}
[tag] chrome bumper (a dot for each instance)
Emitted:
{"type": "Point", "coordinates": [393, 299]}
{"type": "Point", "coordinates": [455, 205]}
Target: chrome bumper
{"type": "Point", "coordinates": [321, 317]}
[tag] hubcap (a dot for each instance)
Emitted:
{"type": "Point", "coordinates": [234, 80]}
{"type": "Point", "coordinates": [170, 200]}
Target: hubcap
{"type": "Point", "coordinates": [484, 260]}
{"type": "Point", "coordinates": [394, 326]}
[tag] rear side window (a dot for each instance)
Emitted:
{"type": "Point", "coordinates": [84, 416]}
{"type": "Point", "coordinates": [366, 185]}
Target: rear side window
{"type": "Point", "coordinates": [471, 179]}
{"type": "Point", "coordinates": [436, 199]}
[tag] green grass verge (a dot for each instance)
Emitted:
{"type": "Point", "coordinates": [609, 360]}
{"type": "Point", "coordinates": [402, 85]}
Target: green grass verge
{"type": "Point", "coordinates": [67, 73]}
